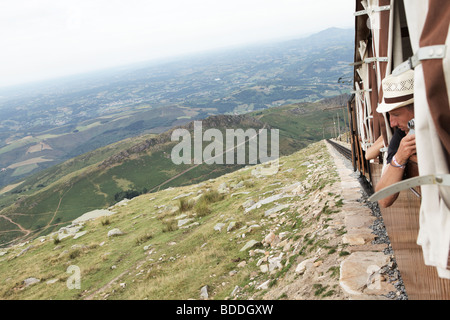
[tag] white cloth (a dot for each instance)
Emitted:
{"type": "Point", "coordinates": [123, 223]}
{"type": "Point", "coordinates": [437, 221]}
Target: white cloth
{"type": "Point", "coordinates": [434, 232]}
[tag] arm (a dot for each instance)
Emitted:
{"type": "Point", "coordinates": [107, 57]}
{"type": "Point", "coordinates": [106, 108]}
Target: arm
{"type": "Point", "coordinates": [374, 150]}
{"type": "Point", "coordinates": [394, 174]}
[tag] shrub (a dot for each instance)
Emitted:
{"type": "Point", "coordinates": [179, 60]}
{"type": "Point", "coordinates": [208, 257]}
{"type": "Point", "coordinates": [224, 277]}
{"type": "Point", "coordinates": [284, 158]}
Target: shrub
{"type": "Point", "coordinates": [56, 240]}
{"type": "Point", "coordinates": [212, 196]}
{"type": "Point", "coordinates": [170, 225]}
{"type": "Point", "coordinates": [144, 238]}
{"type": "Point", "coordinates": [202, 209]}
{"type": "Point", "coordinates": [185, 205]}
{"type": "Point", "coordinates": [74, 254]}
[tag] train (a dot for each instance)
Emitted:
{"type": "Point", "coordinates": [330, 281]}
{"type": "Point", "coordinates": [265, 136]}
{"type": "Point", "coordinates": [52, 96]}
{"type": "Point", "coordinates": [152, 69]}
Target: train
{"type": "Point", "coordinates": [397, 39]}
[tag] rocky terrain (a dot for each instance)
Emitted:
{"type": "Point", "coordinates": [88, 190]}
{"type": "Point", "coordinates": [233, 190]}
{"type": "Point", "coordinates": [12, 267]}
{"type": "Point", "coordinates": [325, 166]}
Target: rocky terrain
{"type": "Point", "coordinates": [303, 233]}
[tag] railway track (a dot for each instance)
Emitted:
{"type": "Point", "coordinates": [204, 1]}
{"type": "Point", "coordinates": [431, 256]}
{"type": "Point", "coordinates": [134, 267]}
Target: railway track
{"type": "Point", "coordinates": [347, 153]}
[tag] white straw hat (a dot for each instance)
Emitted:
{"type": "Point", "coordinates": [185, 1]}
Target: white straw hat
{"type": "Point", "coordinates": [398, 91]}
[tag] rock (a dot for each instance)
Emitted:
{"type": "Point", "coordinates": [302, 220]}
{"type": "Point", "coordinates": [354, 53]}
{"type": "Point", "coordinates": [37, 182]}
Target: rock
{"type": "Point", "coordinates": [63, 236]}
{"type": "Point", "coordinates": [360, 274]}
{"type": "Point", "coordinates": [266, 201]}
{"type": "Point", "coordinates": [318, 263]}
{"type": "Point", "coordinates": [2, 253]}
{"type": "Point", "coordinates": [79, 234]}
{"type": "Point", "coordinates": [223, 188]}
{"type": "Point", "coordinates": [235, 291]}
{"type": "Point", "coordinates": [275, 263]}
{"type": "Point", "coordinates": [182, 222]}
{"type": "Point", "coordinates": [24, 251]}
{"type": "Point", "coordinates": [196, 198]}
{"type": "Point", "coordinates": [183, 195]}
{"type": "Point", "coordinates": [239, 193]}
{"type": "Point", "coordinates": [249, 245]}
{"type": "Point", "coordinates": [96, 214]}
{"type": "Point", "coordinates": [124, 202]}
{"type": "Point", "coordinates": [231, 226]}
{"type": "Point", "coordinates": [248, 203]}
{"type": "Point", "coordinates": [190, 225]}
{"type": "Point", "coordinates": [242, 264]}
{"type": "Point", "coordinates": [302, 266]}
{"type": "Point", "coordinates": [356, 237]}
{"type": "Point", "coordinates": [204, 293]}
{"type": "Point", "coordinates": [52, 281]}
{"type": "Point", "coordinates": [239, 185]}
{"type": "Point", "coordinates": [219, 226]}
{"type": "Point", "coordinates": [272, 239]}
{"type": "Point", "coordinates": [264, 286]}
{"type": "Point", "coordinates": [114, 232]}
{"type": "Point", "coordinates": [30, 281]}
{"type": "Point", "coordinates": [253, 227]}
{"type": "Point", "coordinates": [276, 209]}
{"type": "Point", "coordinates": [264, 268]}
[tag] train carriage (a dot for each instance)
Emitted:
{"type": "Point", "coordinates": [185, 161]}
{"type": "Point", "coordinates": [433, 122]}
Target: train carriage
{"type": "Point", "coordinates": [393, 37]}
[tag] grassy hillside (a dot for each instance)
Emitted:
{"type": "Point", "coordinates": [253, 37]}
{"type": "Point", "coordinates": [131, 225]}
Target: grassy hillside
{"type": "Point", "coordinates": [233, 237]}
{"type": "Point", "coordinates": [53, 198]}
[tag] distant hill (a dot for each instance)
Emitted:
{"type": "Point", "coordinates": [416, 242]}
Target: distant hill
{"type": "Point", "coordinates": [52, 198]}
{"type": "Point", "coordinates": [45, 124]}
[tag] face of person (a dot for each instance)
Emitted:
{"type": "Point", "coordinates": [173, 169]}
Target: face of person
{"type": "Point", "coordinates": [400, 117]}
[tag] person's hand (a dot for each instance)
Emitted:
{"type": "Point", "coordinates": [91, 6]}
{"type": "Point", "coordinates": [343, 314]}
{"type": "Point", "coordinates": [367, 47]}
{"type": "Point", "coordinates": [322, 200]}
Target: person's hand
{"type": "Point", "coordinates": [406, 148]}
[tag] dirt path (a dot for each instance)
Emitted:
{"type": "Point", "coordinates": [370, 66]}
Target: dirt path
{"type": "Point", "coordinates": [22, 229]}
{"type": "Point", "coordinates": [57, 208]}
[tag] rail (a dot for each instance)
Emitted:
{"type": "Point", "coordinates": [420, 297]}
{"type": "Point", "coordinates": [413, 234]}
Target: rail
{"type": "Point", "coordinates": [347, 153]}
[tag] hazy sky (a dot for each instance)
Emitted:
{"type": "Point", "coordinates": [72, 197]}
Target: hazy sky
{"type": "Point", "coordinates": [42, 39]}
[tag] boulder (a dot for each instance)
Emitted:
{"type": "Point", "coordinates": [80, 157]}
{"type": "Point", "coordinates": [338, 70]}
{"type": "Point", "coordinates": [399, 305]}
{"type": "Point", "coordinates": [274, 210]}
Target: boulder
{"type": "Point", "coordinates": [302, 266]}
{"type": "Point", "coordinates": [204, 293]}
{"type": "Point", "coordinates": [360, 274]}
{"type": "Point", "coordinates": [249, 245]}
{"type": "Point", "coordinates": [182, 222]}
{"type": "Point", "coordinates": [30, 281]}
{"type": "Point", "coordinates": [219, 226]}
{"type": "Point", "coordinates": [231, 226]}
{"type": "Point", "coordinates": [272, 239]}
{"type": "Point", "coordinates": [79, 234]}
{"type": "Point", "coordinates": [115, 232]}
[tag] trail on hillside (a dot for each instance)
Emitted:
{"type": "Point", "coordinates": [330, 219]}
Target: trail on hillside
{"type": "Point", "coordinates": [158, 187]}
{"type": "Point", "coordinates": [22, 229]}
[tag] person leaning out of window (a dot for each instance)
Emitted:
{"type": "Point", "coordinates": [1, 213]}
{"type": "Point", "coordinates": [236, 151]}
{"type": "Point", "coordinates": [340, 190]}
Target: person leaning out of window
{"type": "Point", "coordinates": [398, 92]}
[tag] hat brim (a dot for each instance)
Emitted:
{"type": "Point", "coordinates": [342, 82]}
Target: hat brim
{"type": "Point", "coordinates": [387, 107]}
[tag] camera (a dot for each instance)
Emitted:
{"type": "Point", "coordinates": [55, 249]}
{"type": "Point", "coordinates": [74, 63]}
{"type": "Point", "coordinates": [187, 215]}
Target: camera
{"type": "Point", "coordinates": [411, 127]}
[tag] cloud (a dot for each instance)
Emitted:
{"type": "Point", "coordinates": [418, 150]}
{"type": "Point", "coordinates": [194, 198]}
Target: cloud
{"type": "Point", "coordinates": [48, 38]}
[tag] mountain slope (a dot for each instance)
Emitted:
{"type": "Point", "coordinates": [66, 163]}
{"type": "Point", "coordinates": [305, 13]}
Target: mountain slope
{"type": "Point", "coordinates": [48, 200]}
{"type": "Point", "coordinates": [234, 237]}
